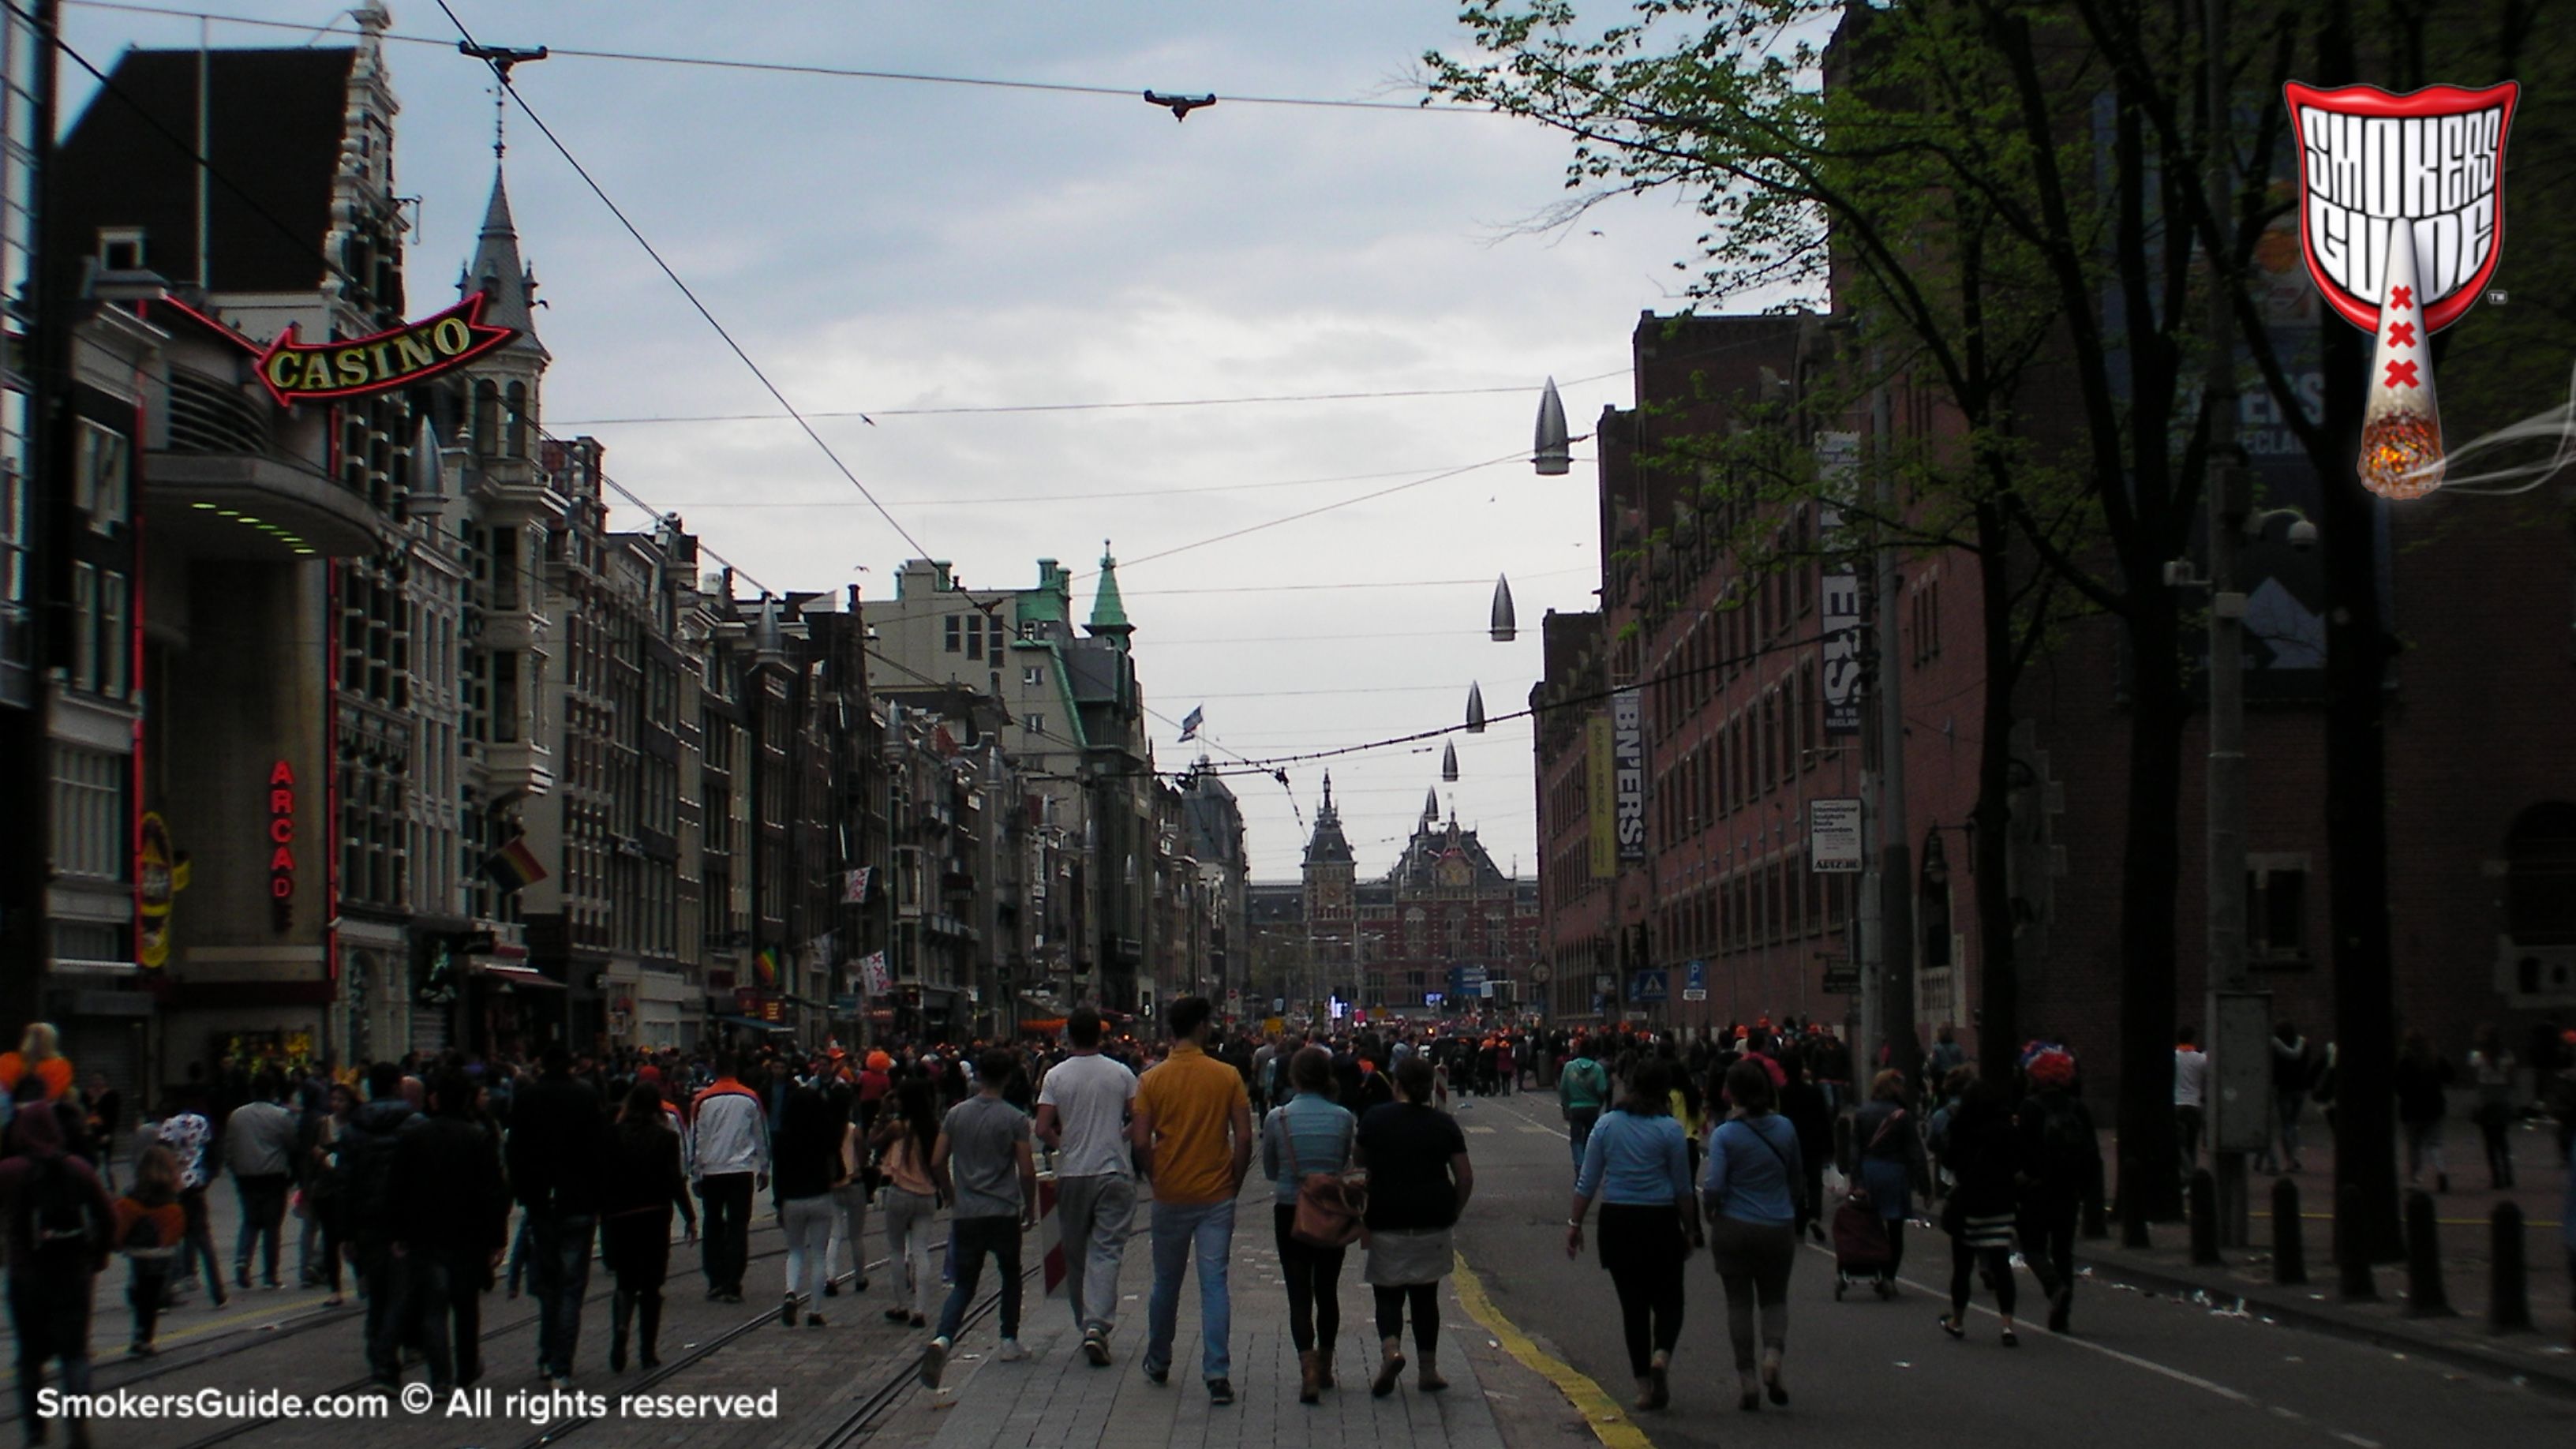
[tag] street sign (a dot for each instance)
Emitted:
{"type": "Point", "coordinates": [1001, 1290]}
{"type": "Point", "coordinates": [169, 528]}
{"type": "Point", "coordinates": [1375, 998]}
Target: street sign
{"type": "Point", "coordinates": [1833, 837]}
{"type": "Point", "coordinates": [1842, 976]}
{"type": "Point", "coordinates": [1695, 981]}
{"type": "Point", "coordinates": [1650, 985]}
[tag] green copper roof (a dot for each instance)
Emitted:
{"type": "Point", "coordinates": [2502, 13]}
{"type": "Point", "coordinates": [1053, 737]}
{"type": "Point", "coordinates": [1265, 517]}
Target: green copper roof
{"type": "Point", "coordinates": [1108, 611]}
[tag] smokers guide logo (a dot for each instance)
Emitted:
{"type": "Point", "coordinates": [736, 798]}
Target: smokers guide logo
{"type": "Point", "coordinates": [2401, 216]}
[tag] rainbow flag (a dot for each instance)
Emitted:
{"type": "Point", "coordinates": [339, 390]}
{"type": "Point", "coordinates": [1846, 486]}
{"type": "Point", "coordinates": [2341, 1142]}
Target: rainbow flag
{"type": "Point", "coordinates": [514, 867]}
{"type": "Point", "coordinates": [765, 961]}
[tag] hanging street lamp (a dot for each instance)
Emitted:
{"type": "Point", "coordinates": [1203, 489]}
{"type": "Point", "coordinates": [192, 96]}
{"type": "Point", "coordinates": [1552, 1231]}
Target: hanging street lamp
{"type": "Point", "coordinates": [1552, 453]}
{"type": "Point", "coordinates": [1506, 624]}
{"type": "Point", "coordinates": [1475, 709]}
{"type": "Point", "coordinates": [1449, 763]}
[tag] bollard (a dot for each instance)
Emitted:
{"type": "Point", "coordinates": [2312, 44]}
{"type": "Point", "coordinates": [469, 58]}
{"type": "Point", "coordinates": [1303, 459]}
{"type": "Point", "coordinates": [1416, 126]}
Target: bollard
{"type": "Point", "coordinates": [2204, 1218]}
{"type": "Point", "coordinates": [2133, 1207]}
{"type": "Point", "coordinates": [2289, 1247]}
{"type": "Point", "coordinates": [2425, 1296]}
{"type": "Point", "coordinates": [2352, 1265]}
{"type": "Point", "coordinates": [2508, 1295]}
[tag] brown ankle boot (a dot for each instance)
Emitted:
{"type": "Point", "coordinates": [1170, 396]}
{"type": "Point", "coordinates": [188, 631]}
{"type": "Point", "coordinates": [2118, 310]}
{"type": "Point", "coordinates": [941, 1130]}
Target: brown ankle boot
{"type": "Point", "coordinates": [1324, 1366]}
{"type": "Point", "coordinates": [1390, 1366]}
{"type": "Point", "coordinates": [1310, 1376]}
{"type": "Point", "coordinates": [1429, 1380]}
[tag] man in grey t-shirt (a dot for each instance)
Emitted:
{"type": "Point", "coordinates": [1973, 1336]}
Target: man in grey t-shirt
{"type": "Point", "coordinates": [1082, 1113]}
{"type": "Point", "coordinates": [982, 1162]}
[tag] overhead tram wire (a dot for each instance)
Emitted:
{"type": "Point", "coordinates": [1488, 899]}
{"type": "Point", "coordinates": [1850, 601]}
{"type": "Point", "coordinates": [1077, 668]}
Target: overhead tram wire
{"type": "Point", "coordinates": [1265, 765]}
{"type": "Point", "coordinates": [501, 74]}
{"type": "Point", "coordinates": [987, 409]}
{"type": "Point", "coordinates": [1125, 93]}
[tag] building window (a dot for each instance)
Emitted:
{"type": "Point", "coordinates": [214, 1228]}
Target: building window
{"type": "Point", "coordinates": [121, 249]}
{"type": "Point", "coordinates": [1035, 724]}
{"type": "Point", "coordinates": [101, 477]}
{"type": "Point", "coordinates": [997, 637]}
{"type": "Point", "coordinates": [84, 661]}
{"type": "Point", "coordinates": [2276, 905]}
{"type": "Point", "coordinates": [955, 625]}
{"type": "Point", "coordinates": [112, 644]}
{"type": "Point", "coordinates": [2540, 876]}
{"type": "Point", "coordinates": [90, 837]}
{"type": "Point", "coordinates": [1032, 676]}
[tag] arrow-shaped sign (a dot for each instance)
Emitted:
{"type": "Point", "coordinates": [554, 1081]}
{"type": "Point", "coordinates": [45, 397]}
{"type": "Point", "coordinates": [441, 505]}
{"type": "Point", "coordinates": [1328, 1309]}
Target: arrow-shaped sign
{"type": "Point", "coordinates": [293, 371]}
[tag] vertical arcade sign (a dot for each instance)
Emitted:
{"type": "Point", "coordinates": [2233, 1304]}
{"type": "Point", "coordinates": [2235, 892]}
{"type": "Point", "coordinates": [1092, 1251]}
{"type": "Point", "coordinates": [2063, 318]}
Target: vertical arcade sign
{"type": "Point", "coordinates": [281, 841]}
{"type": "Point", "coordinates": [1628, 768]}
{"type": "Point", "coordinates": [1837, 465]}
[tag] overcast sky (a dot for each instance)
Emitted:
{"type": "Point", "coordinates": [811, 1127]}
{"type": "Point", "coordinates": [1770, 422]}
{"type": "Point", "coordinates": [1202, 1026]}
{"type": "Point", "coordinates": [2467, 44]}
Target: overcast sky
{"type": "Point", "coordinates": [885, 245]}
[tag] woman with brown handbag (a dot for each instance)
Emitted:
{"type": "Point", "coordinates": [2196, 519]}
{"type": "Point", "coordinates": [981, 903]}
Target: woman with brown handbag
{"type": "Point", "coordinates": [1306, 1150]}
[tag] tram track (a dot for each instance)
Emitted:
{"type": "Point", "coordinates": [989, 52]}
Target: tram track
{"type": "Point", "coordinates": [364, 1382]}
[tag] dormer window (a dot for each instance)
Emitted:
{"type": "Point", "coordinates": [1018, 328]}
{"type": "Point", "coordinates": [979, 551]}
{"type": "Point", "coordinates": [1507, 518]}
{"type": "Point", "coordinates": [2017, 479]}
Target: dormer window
{"type": "Point", "coordinates": [120, 248]}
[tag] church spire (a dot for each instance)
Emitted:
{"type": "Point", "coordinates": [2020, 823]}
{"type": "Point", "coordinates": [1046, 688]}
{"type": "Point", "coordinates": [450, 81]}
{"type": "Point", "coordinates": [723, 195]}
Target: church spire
{"type": "Point", "coordinates": [1108, 610]}
{"type": "Point", "coordinates": [509, 285]}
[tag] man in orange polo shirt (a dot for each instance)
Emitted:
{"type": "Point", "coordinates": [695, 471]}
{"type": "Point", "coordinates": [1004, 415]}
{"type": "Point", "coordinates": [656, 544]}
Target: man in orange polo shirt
{"type": "Point", "coordinates": [1192, 1131]}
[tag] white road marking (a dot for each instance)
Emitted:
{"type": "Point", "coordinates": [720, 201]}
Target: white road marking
{"type": "Point", "coordinates": [1481, 1129]}
{"type": "Point", "coordinates": [2179, 1376]}
{"type": "Point", "coordinates": [1542, 1131]}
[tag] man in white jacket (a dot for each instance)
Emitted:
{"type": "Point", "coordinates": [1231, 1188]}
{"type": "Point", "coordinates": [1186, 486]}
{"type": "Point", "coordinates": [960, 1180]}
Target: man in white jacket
{"type": "Point", "coordinates": [728, 1163]}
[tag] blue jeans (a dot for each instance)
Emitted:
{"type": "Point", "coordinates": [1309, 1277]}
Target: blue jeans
{"type": "Point", "coordinates": [1179, 1230]}
{"type": "Point", "coordinates": [559, 1276]}
{"type": "Point", "coordinates": [1579, 1122]}
{"type": "Point", "coordinates": [974, 1238]}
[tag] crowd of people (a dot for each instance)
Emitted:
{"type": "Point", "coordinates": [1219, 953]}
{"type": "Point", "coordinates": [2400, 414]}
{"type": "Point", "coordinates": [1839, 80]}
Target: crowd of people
{"type": "Point", "coordinates": [430, 1181]}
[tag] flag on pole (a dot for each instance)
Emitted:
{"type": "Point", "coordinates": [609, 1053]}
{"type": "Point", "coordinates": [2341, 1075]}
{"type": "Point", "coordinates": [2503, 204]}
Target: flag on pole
{"type": "Point", "coordinates": [1190, 723]}
{"type": "Point", "coordinates": [765, 962]}
{"type": "Point", "coordinates": [854, 886]}
{"type": "Point", "coordinates": [514, 867]}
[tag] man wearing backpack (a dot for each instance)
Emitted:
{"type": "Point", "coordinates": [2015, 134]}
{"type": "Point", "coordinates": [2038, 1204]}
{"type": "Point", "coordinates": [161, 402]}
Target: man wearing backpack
{"type": "Point", "coordinates": [58, 1217]}
{"type": "Point", "coordinates": [2061, 1158]}
{"type": "Point", "coordinates": [1582, 1090]}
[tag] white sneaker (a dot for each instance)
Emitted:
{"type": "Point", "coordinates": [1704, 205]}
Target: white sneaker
{"type": "Point", "coordinates": [1011, 1352]}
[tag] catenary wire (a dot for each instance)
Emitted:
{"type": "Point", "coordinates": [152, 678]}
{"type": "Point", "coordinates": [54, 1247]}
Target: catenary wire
{"type": "Point", "coordinates": [1128, 93]}
{"type": "Point", "coordinates": [987, 409]}
{"type": "Point", "coordinates": [501, 74]}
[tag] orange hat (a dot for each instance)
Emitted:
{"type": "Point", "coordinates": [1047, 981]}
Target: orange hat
{"type": "Point", "coordinates": [880, 1062]}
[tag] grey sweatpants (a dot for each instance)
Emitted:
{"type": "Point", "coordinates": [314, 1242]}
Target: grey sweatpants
{"type": "Point", "coordinates": [1093, 1215]}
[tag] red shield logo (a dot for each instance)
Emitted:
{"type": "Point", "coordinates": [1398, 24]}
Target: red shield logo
{"type": "Point", "coordinates": [2431, 160]}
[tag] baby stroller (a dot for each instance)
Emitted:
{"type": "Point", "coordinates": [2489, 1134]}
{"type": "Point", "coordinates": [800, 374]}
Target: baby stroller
{"type": "Point", "coordinates": [1860, 1244]}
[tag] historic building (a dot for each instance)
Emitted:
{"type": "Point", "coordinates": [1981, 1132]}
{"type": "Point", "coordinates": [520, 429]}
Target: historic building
{"type": "Point", "coordinates": [1426, 937]}
{"type": "Point", "coordinates": [1724, 653]}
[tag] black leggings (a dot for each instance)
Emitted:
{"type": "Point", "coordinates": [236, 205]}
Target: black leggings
{"type": "Point", "coordinates": [1642, 1247]}
{"type": "Point", "coordinates": [1895, 1249]}
{"type": "Point", "coordinates": [1314, 1285]}
{"type": "Point", "coordinates": [1426, 1314]}
{"type": "Point", "coordinates": [2048, 1244]}
{"type": "Point", "coordinates": [1999, 1272]}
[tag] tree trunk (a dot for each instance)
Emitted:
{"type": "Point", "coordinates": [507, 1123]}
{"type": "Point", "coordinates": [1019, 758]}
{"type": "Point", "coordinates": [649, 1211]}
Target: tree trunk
{"type": "Point", "coordinates": [2147, 904]}
{"type": "Point", "coordinates": [1998, 970]}
{"type": "Point", "coordinates": [2357, 659]}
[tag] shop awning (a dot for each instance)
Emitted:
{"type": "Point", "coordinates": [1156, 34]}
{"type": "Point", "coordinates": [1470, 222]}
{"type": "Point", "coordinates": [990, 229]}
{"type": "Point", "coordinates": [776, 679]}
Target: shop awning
{"type": "Point", "coordinates": [511, 973]}
{"type": "Point", "coordinates": [753, 1023]}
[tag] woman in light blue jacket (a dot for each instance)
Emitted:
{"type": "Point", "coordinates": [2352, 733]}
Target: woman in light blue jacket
{"type": "Point", "coordinates": [1638, 1163]}
{"type": "Point", "coordinates": [1308, 1134]}
{"type": "Point", "coordinates": [1751, 1190]}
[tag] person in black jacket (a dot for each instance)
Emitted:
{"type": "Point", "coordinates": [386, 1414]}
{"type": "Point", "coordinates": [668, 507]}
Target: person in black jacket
{"type": "Point", "coordinates": [643, 1184]}
{"type": "Point", "coordinates": [558, 1158]}
{"type": "Point", "coordinates": [451, 1215]}
{"type": "Point", "coordinates": [366, 1150]}
{"type": "Point", "coordinates": [2061, 1159]}
{"type": "Point", "coordinates": [1803, 1103]}
{"type": "Point", "coordinates": [1985, 1154]}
